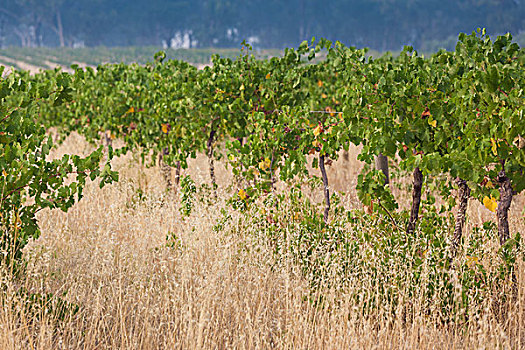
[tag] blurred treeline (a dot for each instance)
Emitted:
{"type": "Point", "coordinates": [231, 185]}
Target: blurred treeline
{"type": "Point", "coordinates": [380, 24]}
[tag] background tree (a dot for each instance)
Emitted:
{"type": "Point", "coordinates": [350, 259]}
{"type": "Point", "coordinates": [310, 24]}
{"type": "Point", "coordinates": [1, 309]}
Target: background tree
{"type": "Point", "coordinates": [379, 24]}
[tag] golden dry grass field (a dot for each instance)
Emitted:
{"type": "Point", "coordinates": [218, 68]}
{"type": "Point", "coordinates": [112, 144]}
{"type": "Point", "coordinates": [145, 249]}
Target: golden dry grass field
{"type": "Point", "coordinates": [225, 289]}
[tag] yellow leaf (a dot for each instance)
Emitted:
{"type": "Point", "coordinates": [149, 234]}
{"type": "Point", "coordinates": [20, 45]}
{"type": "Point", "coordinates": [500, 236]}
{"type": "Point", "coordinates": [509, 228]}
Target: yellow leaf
{"type": "Point", "coordinates": [4, 173]}
{"type": "Point", "coordinates": [231, 157]}
{"type": "Point", "coordinates": [490, 203]}
{"type": "Point", "coordinates": [318, 130]}
{"type": "Point", "coordinates": [131, 110]}
{"type": "Point", "coordinates": [319, 83]}
{"type": "Point", "coordinates": [432, 123]}
{"type": "Point", "coordinates": [472, 261]}
{"type": "Point", "coordinates": [494, 146]}
{"type": "Point", "coordinates": [489, 184]}
{"type": "Point", "coordinates": [324, 95]}
{"type": "Point", "coordinates": [242, 194]}
{"type": "Point", "coordinates": [316, 143]}
{"type": "Point", "coordinates": [265, 164]}
{"type": "Point", "coordinates": [268, 76]}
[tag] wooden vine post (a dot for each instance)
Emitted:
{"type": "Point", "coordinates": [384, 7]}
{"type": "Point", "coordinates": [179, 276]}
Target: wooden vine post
{"type": "Point", "coordinates": [381, 162]}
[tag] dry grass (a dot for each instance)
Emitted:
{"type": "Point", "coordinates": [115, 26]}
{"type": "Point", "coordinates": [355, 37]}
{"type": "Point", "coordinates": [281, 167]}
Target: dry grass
{"type": "Point", "coordinates": [222, 290]}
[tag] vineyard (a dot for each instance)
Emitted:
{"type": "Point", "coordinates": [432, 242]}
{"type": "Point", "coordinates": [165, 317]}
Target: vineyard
{"type": "Point", "coordinates": [260, 250]}
{"type": "Point", "coordinates": [37, 58]}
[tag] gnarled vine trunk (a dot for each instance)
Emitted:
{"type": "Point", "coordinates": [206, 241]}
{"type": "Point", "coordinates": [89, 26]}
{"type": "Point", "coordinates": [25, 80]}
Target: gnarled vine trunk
{"type": "Point", "coordinates": [177, 173]}
{"type": "Point", "coordinates": [165, 169]}
{"type": "Point", "coordinates": [416, 200]}
{"type": "Point", "coordinates": [505, 200]}
{"type": "Point", "coordinates": [209, 145]}
{"type": "Point", "coordinates": [107, 139]}
{"type": "Point", "coordinates": [272, 174]}
{"type": "Point", "coordinates": [326, 188]}
{"type": "Point", "coordinates": [464, 195]}
{"type": "Point", "coordinates": [346, 156]}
